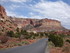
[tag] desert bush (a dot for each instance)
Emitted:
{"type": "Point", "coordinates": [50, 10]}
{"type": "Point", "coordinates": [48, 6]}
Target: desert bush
{"type": "Point", "coordinates": [25, 42]}
{"type": "Point", "coordinates": [68, 41]}
{"type": "Point", "coordinates": [10, 33]}
{"type": "Point", "coordinates": [17, 35]}
{"type": "Point", "coordinates": [24, 32]}
{"type": "Point", "coordinates": [27, 36]}
{"type": "Point", "coordinates": [40, 34]}
{"type": "Point", "coordinates": [19, 44]}
{"type": "Point", "coordinates": [17, 29]}
{"type": "Point", "coordinates": [3, 39]}
{"type": "Point", "coordinates": [57, 40]}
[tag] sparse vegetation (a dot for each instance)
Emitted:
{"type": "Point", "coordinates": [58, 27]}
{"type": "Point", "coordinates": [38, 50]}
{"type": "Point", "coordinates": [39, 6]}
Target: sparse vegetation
{"type": "Point", "coordinates": [25, 42]}
{"type": "Point", "coordinates": [56, 40]}
{"type": "Point", "coordinates": [17, 35]}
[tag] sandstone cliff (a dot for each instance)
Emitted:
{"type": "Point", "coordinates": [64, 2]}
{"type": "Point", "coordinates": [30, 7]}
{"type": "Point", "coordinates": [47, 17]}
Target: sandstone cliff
{"type": "Point", "coordinates": [3, 14]}
{"type": "Point", "coordinates": [5, 23]}
{"type": "Point", "coordinates": [38, 24]}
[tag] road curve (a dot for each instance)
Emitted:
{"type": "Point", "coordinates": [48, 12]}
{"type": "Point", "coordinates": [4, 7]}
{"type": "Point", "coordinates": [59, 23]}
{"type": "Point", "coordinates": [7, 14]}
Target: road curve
{"type": "Point", "coordinates": [38, 47]}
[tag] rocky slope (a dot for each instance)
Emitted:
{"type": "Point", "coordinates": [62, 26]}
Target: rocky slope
{"type": "Point", "coordinates": [5, 23]}
{"type": "Point", "coordinates": [39, 25]}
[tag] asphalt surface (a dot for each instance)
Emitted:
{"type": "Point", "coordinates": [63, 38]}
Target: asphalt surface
{"type": "Point", "coordinates": [38, 47]}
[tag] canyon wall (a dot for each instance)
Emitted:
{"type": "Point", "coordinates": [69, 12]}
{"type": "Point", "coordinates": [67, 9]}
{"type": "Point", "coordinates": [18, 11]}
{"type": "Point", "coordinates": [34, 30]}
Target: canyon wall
{"type": "Point", "coordinates": [38, 24]}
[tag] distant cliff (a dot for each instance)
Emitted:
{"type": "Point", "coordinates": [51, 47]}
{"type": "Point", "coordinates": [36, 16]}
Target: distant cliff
{"type": "Point", "coordinates": [38, 24]}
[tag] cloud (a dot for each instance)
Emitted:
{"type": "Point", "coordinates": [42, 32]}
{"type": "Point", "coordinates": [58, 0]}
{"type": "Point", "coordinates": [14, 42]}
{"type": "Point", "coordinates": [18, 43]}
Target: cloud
{"type": "Point", "coordinates": [15, 1]}
{"type": "Point", "coordinates": [54, 10]}
{"type": "Point", "coordinates": [13, 7]}
{"type": "Point", "coordinates": [10, 13]}
{"type": "Point", "coordinates": [20, 1]}
{"type": "Point", "coordinates": [13, 14]}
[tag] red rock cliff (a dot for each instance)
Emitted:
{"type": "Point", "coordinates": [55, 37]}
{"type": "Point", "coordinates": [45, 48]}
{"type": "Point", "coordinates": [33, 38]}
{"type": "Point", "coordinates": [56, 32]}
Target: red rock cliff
{"type": "Point", "coordinates": [2, 12]}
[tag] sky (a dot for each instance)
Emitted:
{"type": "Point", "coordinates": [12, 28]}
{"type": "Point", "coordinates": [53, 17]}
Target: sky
{"type": "Point", "coordinates": [39, 9]}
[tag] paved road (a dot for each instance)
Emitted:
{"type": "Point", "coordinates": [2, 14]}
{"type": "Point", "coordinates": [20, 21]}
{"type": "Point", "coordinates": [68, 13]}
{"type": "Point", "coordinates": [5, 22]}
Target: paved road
{"type": "Point", "coordinates": [38, 47]}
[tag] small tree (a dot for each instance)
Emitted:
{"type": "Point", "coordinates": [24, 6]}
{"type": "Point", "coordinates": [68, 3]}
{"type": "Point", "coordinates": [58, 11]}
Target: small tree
{"type": "Point", "coordinates": [10, 33]}
{"type": "Point", "coordinates": [17, 35]}
{"type": "Point", "coordinates": [24, 32]}
{"type": "Point", "coordinates": [17, 29]}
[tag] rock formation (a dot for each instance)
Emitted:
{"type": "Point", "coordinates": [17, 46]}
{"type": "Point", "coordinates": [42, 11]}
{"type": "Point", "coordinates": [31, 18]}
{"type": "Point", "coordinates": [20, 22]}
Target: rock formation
{"type": "Point", "coordinates": [5, 23]}
{"type": "Point", "coordinates": [38, 24]}
{"type": "Point", "coordinates": [3, 14]}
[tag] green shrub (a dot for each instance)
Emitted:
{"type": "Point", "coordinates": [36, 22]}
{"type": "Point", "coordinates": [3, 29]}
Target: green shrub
{"type": "Point", "coordinates": [25, 42]}
{"type": "Point", "coordinates": [57, 40]}
{"type": "Point", "coordinates": [17, 29]}
{"type": "Point", "coordinates": [24, 32]}
{"type": "Point", "coordinates": [17, 35]}
{"type": "Point", "coordinates": [68, 41]}
{"type": "Point", "coordinates": [10, 33]}
{"type": "Point", "coordinates": [19, 44]}
{"type": "Point", "coordinates": [27, 36]}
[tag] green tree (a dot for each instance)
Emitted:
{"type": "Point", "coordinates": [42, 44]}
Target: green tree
{"type": "Point", "coordinates": [17, 29]}
{"type": "Point", "coordinates": [24, 32]}
{"type": "Point", "coordinates": [17, 35]}
{"type": "Point", "coordinates": [10, 33]}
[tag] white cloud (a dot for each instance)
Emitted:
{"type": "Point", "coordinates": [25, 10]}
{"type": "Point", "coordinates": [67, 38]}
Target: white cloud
{"type": "Point", "coordinates": [34, 16]}
{"type": "Point", "coordinates": [9, 13]}
{"type": "Point", "coordinates": [12, 7]}
{"type": "Point", "coordinates": [13, 14]}
{"type": "Point", "coordinates": [53, 10]}
{"type": "Point", "coordinates": [19, 1]}
{"type": "Point", "coordinates": [15, 1]}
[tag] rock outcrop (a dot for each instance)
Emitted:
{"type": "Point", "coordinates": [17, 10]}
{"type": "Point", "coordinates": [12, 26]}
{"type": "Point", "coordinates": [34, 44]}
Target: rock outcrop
{"type": "Point", "coordinates": [3, 14]}
{"type": "Point", "coordinates": [5, 23]}
{"type": "Point", "coordinates": [38, 24]}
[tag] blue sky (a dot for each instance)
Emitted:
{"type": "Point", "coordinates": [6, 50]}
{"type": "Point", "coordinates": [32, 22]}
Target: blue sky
{"type": "Point", "coordinates": [51, 9]}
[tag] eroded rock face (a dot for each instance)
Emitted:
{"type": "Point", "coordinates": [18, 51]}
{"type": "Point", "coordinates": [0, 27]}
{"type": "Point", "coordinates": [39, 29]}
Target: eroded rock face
{"type": "Point", "coordinates": [5, 23]}
{"type": "Point", "coordinates": [38, 24]}
{"type": "Point", "coordinates": [2, 12]}
{"type": "Point", "coordinates": [50, 23]}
